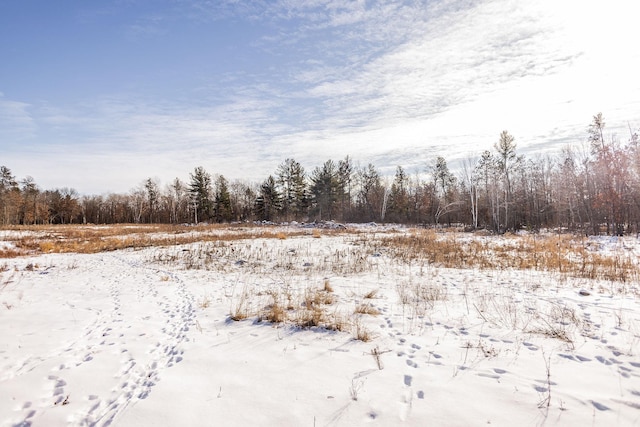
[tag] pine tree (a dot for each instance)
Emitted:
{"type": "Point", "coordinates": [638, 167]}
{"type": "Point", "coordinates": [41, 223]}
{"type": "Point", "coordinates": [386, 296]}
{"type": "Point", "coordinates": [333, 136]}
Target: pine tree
{"type": "Point", "coordinates": [324, 189]}
{"type": "Point", "coordinates": [269, 202]}
{"type": "Point", "coordinates": [223, 210]}
{"type": "Point", "coordinates": [398, 205]}
{"type": "Point", "coordinates": [200, 190]}
{"type": "Point", "coordinates": [10, 197]}
{"type": "Point", "coordinates": [292, 181]}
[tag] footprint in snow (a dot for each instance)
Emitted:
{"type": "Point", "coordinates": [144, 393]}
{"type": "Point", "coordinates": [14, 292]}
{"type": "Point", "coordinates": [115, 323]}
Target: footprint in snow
{"type": "Point", "coordinates": [408, 379]}
{"type": "Point", "coordinates": [567, 356]}
{"type": "Point", "coordinates": [492, 376]}
{"type": "Point", "coordinates": [600, 406]}
{"type": "Point", "coordinates": [412, 363]}
{"type": "Point", "coordinates": [405, 405]}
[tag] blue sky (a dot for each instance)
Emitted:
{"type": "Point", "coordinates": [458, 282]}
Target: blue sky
{"type": "Point", "coordinates": [100, 95]}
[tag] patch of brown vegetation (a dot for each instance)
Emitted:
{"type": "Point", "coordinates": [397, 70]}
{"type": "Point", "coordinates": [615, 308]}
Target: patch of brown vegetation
{"type": "Point", "coordinates": [566, 254]}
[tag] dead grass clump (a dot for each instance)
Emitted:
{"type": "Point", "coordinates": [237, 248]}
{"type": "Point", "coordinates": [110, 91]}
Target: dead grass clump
{"type": "Point", "coordinates": [309, 318]}
{"type": "Point", "coordinates": [275, 313]}
{"type": "Point", "coordinates": [554, 331]}
{"type": "Point", "coordinates": [371, 294]}
{"type": "Point", "coordinates": [307, 309]}
{"type": "Point", "coordinates": [337, 321]}
{"type": "Point", "coordinates": [205, 302]}
{"type": "Point", "coordinates": [429, 294]}
{"type": "Point", "coordinates": [360, 332]}
{"type": "Point", "coordinates": [316, 297]}
{"type": "Point", "coordinates": [367, 309]}
{"type": "Point", "coordinates": [12, 252]}
{"type": "Point", "coordinates": [558, 323]}
{"type": "Point", "coordinates": [420, 294]}
{"type": "Point", "coordinates": [240, 310]}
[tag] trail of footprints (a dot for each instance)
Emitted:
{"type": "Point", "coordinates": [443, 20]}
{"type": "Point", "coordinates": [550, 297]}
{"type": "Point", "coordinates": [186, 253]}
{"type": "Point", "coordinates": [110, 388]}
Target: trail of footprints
{"type": "Point", "coordinates": [109, 336]}
{"type": "Point", "coordinates": [414, 356]}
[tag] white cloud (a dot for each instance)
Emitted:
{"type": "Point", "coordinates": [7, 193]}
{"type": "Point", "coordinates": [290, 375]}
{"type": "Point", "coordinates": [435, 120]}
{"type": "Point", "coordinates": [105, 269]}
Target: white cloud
{"type": "Point", "coordinates": [391, 82]}
{"type": "Point", "coordinates": [16, 122]}
{"type": "Point", "coordinates": [529, 67]}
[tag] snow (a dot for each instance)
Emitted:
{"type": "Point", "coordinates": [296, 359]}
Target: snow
{"type": "Point", "coordinates": [143, 338]}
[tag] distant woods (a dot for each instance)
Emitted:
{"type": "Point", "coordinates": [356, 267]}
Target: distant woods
{"type": "Point", "coordinates": [594, 188]}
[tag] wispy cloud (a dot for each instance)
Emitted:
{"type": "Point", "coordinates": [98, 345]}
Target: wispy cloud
{"type": "Point", "coordinates": [16, 121]}
{"type": "Point", "coordinates": [392, 82]}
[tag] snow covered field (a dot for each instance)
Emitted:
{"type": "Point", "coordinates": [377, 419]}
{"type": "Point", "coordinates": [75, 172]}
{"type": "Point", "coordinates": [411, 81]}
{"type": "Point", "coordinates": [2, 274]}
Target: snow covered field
{"type": "Point", "coordinates": [145, 337]}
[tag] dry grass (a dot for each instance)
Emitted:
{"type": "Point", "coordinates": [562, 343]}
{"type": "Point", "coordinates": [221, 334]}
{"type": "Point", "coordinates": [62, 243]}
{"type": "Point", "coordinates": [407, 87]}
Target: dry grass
{"type": "Point", "coordinates": [558, 322]}
{"type": "Point", "coordinates": [371, 294]}
{"type": "Point", "coordinates": [241, 308]}
{"type": "Point", "coordinates": [360, 332]}
{"type": "Point", "coordinates": [316, 297]}
{"type": "Point", "coordinates": [103, 238]}
{"type": "Point", "coordinates": [274, 313]}
{"type": "Point", "coordinates": [205, 302]}
{"type": "Point", "coordinates": [11, 253]}
{"type": "Point", "coordinates": [367, 309]}
{"type": "Point", "coordinates": [565, 254]}
{"type": "Point", "coordinates": [308, 308]}
{"type": "Point", "coordinates": [337, 321]}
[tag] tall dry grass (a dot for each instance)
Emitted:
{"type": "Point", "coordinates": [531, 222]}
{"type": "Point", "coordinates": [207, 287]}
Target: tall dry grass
{"type": "Point", "coordinates": [565, 254]}
{"type": "Point", "coordinates": [102, 238]}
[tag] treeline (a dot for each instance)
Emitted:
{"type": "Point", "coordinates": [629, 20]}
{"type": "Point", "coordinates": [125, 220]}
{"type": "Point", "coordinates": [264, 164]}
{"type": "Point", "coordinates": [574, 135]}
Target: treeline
{"type": "Point", "coordinates": [595, 190]}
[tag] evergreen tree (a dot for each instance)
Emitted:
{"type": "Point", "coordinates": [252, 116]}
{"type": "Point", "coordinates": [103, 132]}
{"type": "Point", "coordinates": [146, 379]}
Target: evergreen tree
{"type": "Point", "coordinates": [200, 190]}
{"type": "Point", "coordinates": [223, 209]}
{"type": "Point", "coordinates": [291, 180]}
{"type": "Point", "coordinates": [444, 183]}
{"type": "Point", "coordinates": [345, 179]}
{"type": "Point", "coordinates": [398, 204]}
{"type": "Point", "coordinates": [324, 189]}
{"type": "Point", "coordinates": [269, 201]}
{"type": "Point", "coordinates": [370, 197]}
{"type": "Point", "coordinates": [10, 197]}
